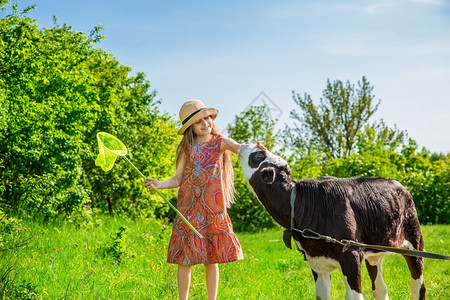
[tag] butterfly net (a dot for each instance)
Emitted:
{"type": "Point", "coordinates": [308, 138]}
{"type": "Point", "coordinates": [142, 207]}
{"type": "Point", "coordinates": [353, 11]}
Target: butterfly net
{"type": "Point", "coordinates": [109, 147]}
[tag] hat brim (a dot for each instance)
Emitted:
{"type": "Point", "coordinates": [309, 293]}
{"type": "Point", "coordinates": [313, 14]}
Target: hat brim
{"type": "Point", "coordinates": [213, 112]}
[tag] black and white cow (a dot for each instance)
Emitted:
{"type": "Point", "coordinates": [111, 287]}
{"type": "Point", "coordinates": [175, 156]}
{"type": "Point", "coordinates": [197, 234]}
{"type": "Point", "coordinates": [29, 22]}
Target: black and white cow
{"type": "Point", "coordinates": [374, 211]}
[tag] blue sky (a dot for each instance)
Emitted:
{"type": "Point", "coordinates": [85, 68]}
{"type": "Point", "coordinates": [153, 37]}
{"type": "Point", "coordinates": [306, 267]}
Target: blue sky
{"type": "Point", "coordinates": [227, 52]}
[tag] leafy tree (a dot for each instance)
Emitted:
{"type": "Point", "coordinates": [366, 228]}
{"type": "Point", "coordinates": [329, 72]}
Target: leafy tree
{"type": "Point", "coordinates": [335, 122]}
{"type": "Point", "coordinates": [375, 154]}
{"type": "Point", "coordinates": [44, 96]}
{"type": "Point", "coordinates": [251, 125]}
{"type": "Point", "coordinates": [427, 180]}
{"type": "Point", "coordinates": [339, 127]}
{"type": "Point", "coordinates": [305, 163]}
{"type": "Point", "coordinates": [379, 135]}
{"type": "Point", "coordinates": [56, 92]}
{"type": "Point", "coordinates": [305, 160]}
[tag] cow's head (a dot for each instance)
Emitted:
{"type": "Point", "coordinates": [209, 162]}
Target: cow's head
{"type": "Point", "coordinates": [268, 177]}
{"type": "Point", "coordinates": [260, 163]}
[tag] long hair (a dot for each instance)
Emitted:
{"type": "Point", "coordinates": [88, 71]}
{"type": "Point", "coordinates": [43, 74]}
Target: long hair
{"type": "Point", "coordinates": [227, 174]}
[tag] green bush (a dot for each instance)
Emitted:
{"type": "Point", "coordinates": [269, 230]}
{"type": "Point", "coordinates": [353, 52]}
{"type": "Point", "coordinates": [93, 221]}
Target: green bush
{"type": "Point", "coordinates": [56, 92]}
{"type": "Point", "coordinates": [117, 247]}
{"type": "Point", "coordinates": [427, 181]}
{"type": "Point", "coordinates": [58, 89]}
{"type": "Point", "coordinates": [429, 184]}
{"type": "Point", "coordinates": [20, 291]}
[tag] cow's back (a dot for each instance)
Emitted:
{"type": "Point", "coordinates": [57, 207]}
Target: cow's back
{"type": "Point", "coordinates": [372, 210]}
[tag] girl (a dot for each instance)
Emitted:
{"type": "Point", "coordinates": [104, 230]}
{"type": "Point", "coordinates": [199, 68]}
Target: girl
{"type": "Point", "coordinates": [205, 176]}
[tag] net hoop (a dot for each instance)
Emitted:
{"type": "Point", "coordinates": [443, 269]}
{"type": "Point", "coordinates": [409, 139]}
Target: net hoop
{"type": "Point", "coordinates": [119, 152]}
{"type": "Point", "coordinates": [106, 162]}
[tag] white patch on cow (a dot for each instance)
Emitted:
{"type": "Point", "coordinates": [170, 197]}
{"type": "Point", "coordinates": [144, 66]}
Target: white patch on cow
{"type": "Point", "coordinates": [407, 245]}
{"type": "Point", "coordinates": [244, 154]}
{"type": "Point", "coordinates": [299, 245]}
{"type": "Point", "coordinates": [323, 286]}
{"type": "Point", "coordinates": [375, 258]}
{"type": "Point", "coordinates": [415, 286]}
{"type": "Point", "coordinates": [322, 264]}
{"type": "Point", "coordinates": [380, 291]}
{"type": "Point", "coordinates": [351, 294]}
{"type": "Point", "coordinates": [323, 267]}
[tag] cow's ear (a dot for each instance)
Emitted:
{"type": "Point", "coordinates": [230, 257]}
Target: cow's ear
{"type": "Point", "coordinates": [268, 175]}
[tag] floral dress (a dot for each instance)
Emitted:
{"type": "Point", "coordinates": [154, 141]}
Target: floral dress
{"type": "Point", "coordinates": [201, 201]}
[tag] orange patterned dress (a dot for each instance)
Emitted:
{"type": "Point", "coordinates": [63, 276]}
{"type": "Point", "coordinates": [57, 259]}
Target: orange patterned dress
{"type": "Point", "coordinates": [201, 201]}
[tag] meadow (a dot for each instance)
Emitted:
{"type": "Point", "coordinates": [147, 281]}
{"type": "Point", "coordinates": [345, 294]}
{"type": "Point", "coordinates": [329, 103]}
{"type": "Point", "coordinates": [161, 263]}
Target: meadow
{"type": "Point", "coordinates": [114, 258]}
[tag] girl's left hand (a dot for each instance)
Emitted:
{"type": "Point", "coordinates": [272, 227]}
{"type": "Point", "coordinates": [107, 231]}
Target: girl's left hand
{"type": "Point", "coordinates": [260, 146]}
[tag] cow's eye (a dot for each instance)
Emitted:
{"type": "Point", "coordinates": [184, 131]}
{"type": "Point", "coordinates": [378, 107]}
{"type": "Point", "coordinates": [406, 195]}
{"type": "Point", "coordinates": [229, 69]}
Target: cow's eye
{"type": "Point", "coordinates": [256, 158]}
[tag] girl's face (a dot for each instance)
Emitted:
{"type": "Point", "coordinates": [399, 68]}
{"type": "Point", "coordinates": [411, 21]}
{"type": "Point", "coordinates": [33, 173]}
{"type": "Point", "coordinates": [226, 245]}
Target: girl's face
{"type": "Point", "coordinates": [203, 126]}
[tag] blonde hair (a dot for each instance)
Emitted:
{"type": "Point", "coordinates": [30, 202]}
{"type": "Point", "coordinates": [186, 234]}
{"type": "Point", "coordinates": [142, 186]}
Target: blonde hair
{"type": "Point", "coordinates": [227, 174]}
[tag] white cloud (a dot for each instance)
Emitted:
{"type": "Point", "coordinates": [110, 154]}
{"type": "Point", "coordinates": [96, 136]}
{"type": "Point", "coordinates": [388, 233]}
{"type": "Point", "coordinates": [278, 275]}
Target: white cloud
{"type": "Point", "coordinates": [387, 6]}
{"type": "Point", "coordinates": [433, 2]}
{"type": "Point", "coordinates": [378, 7]}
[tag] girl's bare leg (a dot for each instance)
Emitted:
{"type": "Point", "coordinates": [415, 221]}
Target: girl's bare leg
{"type": "Point", "coordinates": [212, 280]}
{"type": "Point", "coordinates": [184, 281]}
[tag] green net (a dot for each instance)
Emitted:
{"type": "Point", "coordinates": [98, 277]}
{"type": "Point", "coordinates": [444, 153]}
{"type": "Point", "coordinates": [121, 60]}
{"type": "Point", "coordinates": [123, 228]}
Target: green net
{"type": "Point", "coordinates": [109, 147]}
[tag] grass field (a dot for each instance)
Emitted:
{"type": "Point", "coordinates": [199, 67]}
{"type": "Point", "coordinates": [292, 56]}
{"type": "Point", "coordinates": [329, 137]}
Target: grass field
{"type": "Point", "coordinates": [94, 262]}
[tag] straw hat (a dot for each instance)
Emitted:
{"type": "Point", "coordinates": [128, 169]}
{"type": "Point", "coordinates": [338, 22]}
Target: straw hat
{"type": "Point", "coordinates": [192, 111]}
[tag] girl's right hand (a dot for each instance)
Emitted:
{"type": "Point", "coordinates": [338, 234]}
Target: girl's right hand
{"type": "Point", "coordinates": [149, 181]}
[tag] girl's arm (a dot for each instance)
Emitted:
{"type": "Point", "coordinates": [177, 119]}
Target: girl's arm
{"type": "Point", "coordinates": [172, 182]}
{"type": "Point", "coordinates": [229, 144]}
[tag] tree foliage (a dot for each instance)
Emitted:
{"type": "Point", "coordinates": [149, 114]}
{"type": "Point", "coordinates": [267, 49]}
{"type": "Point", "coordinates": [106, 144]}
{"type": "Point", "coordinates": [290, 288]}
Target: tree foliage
{"type": "Point", "coordinates": [335, 138]}
{"type": "Point", "coordinates": [334, 123]}
{"type": "Point", "coordinates": [252, 125]}
{"type": "Point", "coordinates": [427, 180]}
{"type": "Point", "coordinates": [57, 90]}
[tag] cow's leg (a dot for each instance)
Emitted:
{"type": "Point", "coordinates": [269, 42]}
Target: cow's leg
{"type": "Point", "coordinates": [414, 240]}
{"type": "Point", "coordinates": [417, 285]}
{"type": "Point", "coordinates": [351, 269]}
{"type": "Point", "coordinates": [374, 267]}
{"type": "Point", "coordinates": [323, 285]}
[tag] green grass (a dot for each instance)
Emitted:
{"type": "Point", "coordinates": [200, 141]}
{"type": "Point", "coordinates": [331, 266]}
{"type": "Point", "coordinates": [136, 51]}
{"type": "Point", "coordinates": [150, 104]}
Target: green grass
{"type": "Point", "coordinates": [69, 262]}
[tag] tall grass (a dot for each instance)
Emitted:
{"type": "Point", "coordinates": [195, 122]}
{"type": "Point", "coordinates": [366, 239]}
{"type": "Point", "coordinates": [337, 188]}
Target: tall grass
{"type": "Point", "coordinates": [95, 262]}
